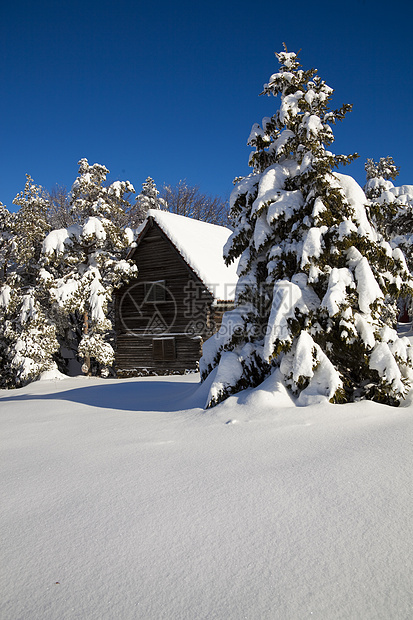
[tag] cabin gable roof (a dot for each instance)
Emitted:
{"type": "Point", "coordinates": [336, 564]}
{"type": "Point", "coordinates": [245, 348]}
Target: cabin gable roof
{"type": "Point", "coordinates": [200, 245]}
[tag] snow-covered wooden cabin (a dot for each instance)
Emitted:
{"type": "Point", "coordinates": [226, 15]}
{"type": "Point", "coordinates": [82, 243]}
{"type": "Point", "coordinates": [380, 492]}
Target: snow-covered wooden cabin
{"type": "Point", "coordinates": [177, 300]}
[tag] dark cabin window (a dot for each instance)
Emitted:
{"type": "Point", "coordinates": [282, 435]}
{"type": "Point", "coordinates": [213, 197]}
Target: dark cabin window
{"type": "Point", "coordinates": [164, 349]}
{"type": "Point", "coordinates": [155, 291]}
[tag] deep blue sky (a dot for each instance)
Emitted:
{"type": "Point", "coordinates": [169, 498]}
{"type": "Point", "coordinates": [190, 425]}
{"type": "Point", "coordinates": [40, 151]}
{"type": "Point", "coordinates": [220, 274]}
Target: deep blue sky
{"type": "Point", "coordinates": [170, 89]}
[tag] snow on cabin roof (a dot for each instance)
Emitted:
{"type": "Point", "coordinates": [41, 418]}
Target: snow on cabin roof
{"type": "Point", "coordinates": [201, 246]}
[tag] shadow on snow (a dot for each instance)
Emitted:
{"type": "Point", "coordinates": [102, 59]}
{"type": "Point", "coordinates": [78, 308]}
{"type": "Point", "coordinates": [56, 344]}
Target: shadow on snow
{"type": "Point", "coordinates": [131, 396]}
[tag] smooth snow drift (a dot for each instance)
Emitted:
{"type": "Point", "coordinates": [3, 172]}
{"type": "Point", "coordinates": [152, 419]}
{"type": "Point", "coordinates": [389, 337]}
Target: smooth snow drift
{"type": "Point", "coordinates": [125, 499]}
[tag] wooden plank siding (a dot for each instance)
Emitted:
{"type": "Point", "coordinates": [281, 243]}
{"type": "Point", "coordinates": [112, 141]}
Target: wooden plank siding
{"type": "Point", "coordinates": [185, 314]}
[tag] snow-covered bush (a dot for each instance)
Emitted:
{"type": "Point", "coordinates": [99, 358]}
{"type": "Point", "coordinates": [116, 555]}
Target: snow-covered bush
{"type": "Point", "coordinates": [315, 276]}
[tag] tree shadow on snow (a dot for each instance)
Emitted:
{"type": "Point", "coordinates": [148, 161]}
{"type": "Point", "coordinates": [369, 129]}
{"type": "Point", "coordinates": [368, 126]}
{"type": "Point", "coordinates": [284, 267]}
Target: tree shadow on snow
{"type": "Point", "coordinates": [131, 396]}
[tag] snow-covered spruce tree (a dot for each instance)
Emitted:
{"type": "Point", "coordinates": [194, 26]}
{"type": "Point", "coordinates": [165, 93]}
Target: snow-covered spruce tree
{"type": "Point", "coordinates": [7, 243]}
{"type": "Point", "coordinates": [6, 251]}
{"type": "Point", "coordinates": [402, 229]}
{"type": "Point", "coordinates": [391, 207]}
{"type": "Point", "coordinates": [391, 210]}
{"type": "Point", "coordinates": [379, 177]}
{"type": "Point", "coordinates": [86, 260]}
{"type": "Point", "coordinates": [31, 227]}
{"type": "Point", "coordinates": [28, 334]}
{"type": "Point", "coordinates": [313, 272]}
{"type": "Point", "coordinates": [148, 199]}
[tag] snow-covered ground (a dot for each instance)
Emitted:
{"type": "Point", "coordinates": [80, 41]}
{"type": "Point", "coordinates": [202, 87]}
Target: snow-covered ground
{"type": "Point", "coordinates": [124, 499]}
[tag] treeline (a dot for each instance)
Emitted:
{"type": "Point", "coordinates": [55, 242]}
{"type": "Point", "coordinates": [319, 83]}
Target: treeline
{"type": "Point", "coordinates": [62, 254]}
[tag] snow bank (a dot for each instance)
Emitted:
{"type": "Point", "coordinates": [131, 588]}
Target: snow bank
{"type": "Point", "coordinates": [52, 375]}
{"type": "Point", "coordinates": [255, 509]}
